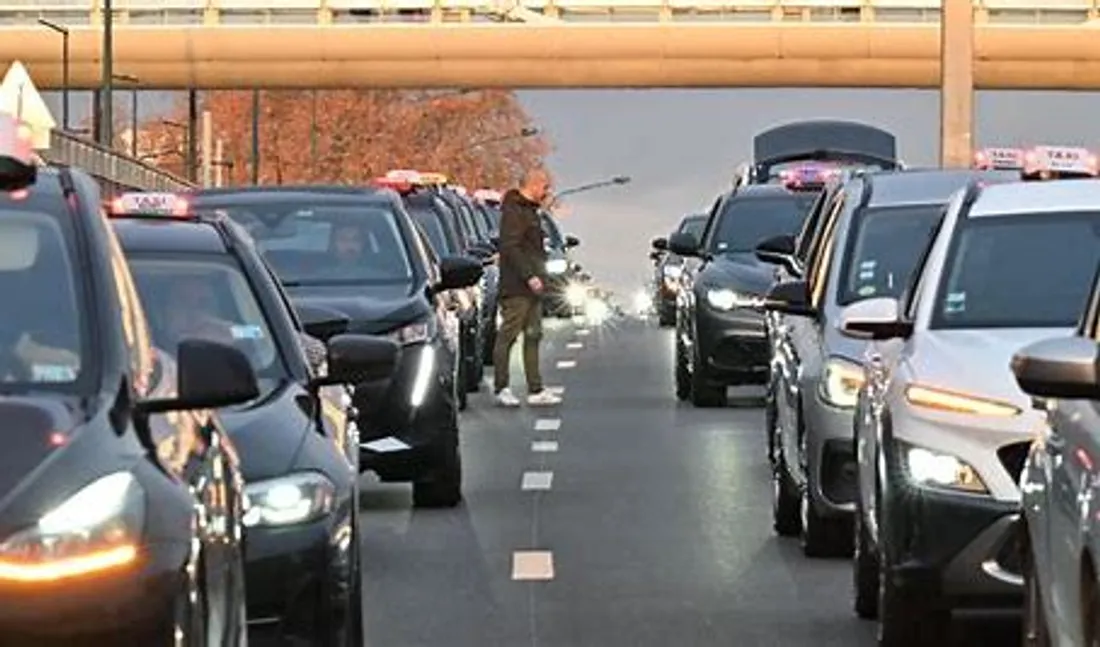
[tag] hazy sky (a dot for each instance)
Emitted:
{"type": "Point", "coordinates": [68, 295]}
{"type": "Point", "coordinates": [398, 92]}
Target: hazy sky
{"type": "Point", "coordinates": [681, 147]}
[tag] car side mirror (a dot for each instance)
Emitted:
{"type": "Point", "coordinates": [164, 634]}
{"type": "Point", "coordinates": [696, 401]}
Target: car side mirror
{"type": "Point", "coordinates": [210, 375]}
{"type": "Point", "coordinates": [572, 241]}
{"type": "Point", "coordinates": [683, 244]}
{"type": "Point", "coordinates": [457, 272]}
{"type": "Point", "coordinates": [1063, 367]}
{"type": "Point", "coordinates": [789, 297]}
{"type": "Point", "coordinates": [321, 322]}
{"type": "Point", "coordinates": [359, 359]}
{"type": "Point", "coordinates": [655, 256]}
{"type": "Point", "coordinates": [778, 250]}
{"type": "Point", "coordinates": [660, 244]}
{"type": "Point", "coordinates": [874, 320]}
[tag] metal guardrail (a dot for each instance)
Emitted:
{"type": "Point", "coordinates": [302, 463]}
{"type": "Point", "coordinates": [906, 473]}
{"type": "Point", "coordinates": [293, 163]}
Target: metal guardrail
{"type": "Point", "coordinates": [242, 12]}
{"type": "Point", "coordinates": [110, 166]}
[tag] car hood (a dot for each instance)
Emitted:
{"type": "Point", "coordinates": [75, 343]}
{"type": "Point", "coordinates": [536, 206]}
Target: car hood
{"type": "Point", "coordinates": [268, 434]}
{"type": "Point", "coordinates": [974, 361]}
{"type": "Point", "coordinates": [371, 310]}
{"type": "Point", "coordinates": [29, 424]}
{"type": "Point", "coordinates": [737, 271]}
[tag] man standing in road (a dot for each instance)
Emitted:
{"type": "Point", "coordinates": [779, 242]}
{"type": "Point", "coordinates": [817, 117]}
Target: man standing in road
{"type": "Point", "coordinates": [522, 272]}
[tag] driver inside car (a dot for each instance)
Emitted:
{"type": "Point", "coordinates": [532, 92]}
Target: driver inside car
{"type": "Point", "coordinates": [189, 314]}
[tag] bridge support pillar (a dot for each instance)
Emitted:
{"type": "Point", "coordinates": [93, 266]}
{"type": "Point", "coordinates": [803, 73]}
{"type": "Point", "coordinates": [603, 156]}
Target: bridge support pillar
{"type": "Point", "coordinates": [956, 83]}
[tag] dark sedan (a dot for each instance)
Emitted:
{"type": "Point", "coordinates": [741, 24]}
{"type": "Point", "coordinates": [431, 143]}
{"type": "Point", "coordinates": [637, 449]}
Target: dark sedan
{"type": "Point", "coordinates": [669, 267]}
{"type": "Point", "coordinates": [358, 253]}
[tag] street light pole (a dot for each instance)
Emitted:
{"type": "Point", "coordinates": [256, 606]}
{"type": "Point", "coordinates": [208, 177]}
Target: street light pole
{"type": "Point", "coordinates": [133, 80]}
{"type": "Point", "coordinates": [64, 31]}
{"type": "Point", "coordinates": [107, 97]}
{"type": "Point", "coordinates": [615, 181]}
{"type": "Point", "coordinates": [525, 132]}
{"type": "Point", "coordinates": [255, 136]}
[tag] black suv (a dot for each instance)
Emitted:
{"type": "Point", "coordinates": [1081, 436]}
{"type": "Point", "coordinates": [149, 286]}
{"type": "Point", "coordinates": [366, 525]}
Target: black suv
{"type": "Point", "coordinates": [356, 253]}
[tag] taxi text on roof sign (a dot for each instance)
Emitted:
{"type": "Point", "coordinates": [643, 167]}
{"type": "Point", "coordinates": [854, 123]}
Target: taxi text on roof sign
{"type": "Point", "coordinates": [403, 175]}
{"type": "Point", "coordinates": [999, 158]}
{"type": "Point", "coordinates": [149, 204]}
{"type": "Point", "coordinates": [1061, 159]}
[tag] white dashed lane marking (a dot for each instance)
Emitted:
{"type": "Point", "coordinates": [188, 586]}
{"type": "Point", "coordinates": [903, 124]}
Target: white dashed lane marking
{"type": "Point", "coordinates": [544, 446]}
{"type": "Point", "coordinates": [582, 332]}
{"type": "Point", "coordinates": [566, 363]}
{"type": "Point", "coordinates": [537, 481]}
{"type": "Point", "coordinates": [548, 424]}
{"type": "Point", "coordinates": [532, 565]}
{"type": "Point", "coordinates": [574, 345]}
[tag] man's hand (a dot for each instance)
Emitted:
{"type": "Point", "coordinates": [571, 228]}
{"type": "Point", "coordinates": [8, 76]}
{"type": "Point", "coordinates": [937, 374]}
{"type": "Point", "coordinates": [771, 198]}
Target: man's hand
{"type": "Point", "coordinates": [535, 283]}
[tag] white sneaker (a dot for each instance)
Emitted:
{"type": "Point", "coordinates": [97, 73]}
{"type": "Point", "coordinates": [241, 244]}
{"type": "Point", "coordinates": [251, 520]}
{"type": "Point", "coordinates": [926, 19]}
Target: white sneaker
{"type": "Point", "coordinates": [543, 398]}
{"type": "Point", "coordinates": [507, 399]}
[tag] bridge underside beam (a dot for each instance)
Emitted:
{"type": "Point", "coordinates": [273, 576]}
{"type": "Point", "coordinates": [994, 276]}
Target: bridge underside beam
{"type": "Point", "coordinates": [560, 56]}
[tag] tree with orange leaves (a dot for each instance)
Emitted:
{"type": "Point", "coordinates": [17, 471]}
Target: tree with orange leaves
{"type": "Point", "coordinates": [351, 136]}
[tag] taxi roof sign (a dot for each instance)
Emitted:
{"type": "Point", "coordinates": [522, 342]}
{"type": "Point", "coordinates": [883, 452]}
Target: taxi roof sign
{"type": "Point", "coordinates": [487, 195]}
{"type": "Point", "coordinates": [17, 163]}
{"type": "Point", "coordinates": [403, 175]}
{"type": "Point", "coordinates": [811, 175]}
{"type": "Point", "coordinates": [999, 158]}
{"type": "Point", "coordinates": [1061, 160]}
{"type": "Point", "coordinates": [150, 204]}
{"type": "Point", "coordinates": [433, 178]}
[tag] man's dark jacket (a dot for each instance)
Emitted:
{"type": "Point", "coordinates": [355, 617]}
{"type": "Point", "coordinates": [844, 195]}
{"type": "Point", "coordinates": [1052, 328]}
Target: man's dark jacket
{"type": "Point", "coordinates": [522, 254]}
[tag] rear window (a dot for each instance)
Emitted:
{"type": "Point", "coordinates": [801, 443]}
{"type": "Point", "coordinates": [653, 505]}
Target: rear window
{"type": "Point", "coordinates": [41, 340]}
{"type": "Point", "coordinates": [884, 247]}
{"type": "Point", "coordinates": [747, 221]}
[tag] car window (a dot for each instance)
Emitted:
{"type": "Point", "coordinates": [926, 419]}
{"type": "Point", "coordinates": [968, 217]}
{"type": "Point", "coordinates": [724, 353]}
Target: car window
{"type": "Point", "coordinates": [884, 246]}
{"type": "Point", "coordinates": [310, 244]}
{"type": "Point", "coordinates": [430, 223]}
{"type": "Point", "coordinates": [205, 298]}
{"type": "Point", "coordinates": [41, 341]}
{"type": "Point", "coordinates": [554, 239]}
{"type": "Point", "coordinates": [1020, 271]}
{"type": "Point", "coordinates": [135, 325]}
{"type": "Point", "coordinates": [819, 272]}
{"type": "Point", "coordinates": [694, 226]}
{"type": "Point", "coordinates": [746, 221]}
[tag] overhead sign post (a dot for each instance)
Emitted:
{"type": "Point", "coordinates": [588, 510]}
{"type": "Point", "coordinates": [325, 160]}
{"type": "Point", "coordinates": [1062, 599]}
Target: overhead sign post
{"type": "Point", "coordinates": [20, 99]}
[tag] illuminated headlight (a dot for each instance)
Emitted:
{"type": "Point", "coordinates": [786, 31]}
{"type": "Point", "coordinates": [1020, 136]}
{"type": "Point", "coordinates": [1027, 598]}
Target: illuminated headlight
{"type": "Point", "coordinates": [725, 299]}
{"type": "Point", "coordinates": [841, 382]}
{"type": "Point", "coordinates": [288, 500]}
{"type": "Point", "coordinates": [576, 295]}
{"type": "Point", "coordinates": [935, 469]}
{"type": "Point", "coordinates": [96, 529]}
{"type": "Point", "coordinates": [642, 301]}
{"type": "Point", "coordinates": [557, 266]}
{"type": "Point", "coordinates": [598, 311]}
{"type": "Point", "coordinates": [412, 333]}
{"type": "Point", "coordinates": [673, 271]}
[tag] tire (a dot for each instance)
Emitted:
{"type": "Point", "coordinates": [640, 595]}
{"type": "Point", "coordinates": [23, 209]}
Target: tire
{"type": "Point", "coordinates": [683, 376]}
{"type": "Point", "coordinates": [443, 486]}
{"type": "Point", "coordinates": [865, 569]}
{"type": "Point", "coordinates": [1035, 631]}
{"type": "Point", "coordinates": [703, 393]}
{"type": "Point", "coordinates": [785, 518]}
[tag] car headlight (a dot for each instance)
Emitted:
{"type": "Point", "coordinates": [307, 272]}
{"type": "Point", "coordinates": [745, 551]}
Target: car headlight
{"type": "Point", "coordinates": [412, 333]}
{"type": "Point", "coordinates": [942, 400]}
{"type": "Point", "coordinates": [840, 382]}
{"type": "Point", "coordinates": [96, 529]}
{"type": "Point", "coordinates": [673, 271]}
{"type": "Point", "coordinates": [576, 295]}
{"type": "Point", "coordinates": [557, 266]}
{"type": "Point", "coordinates": [930, 468]}
{"type": "Point", "coordinates": [288, 500]}
{"type": "Point", "coordinates": [726, 299]}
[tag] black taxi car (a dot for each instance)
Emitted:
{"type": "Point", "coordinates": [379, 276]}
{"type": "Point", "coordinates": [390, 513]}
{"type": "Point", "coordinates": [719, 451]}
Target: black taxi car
{"type": "Point", "coordinates": [200, 276]}
{"type": "Point", "coordinates": [356, 252]}
{"type": "Point", "coordinates": [121, 498]}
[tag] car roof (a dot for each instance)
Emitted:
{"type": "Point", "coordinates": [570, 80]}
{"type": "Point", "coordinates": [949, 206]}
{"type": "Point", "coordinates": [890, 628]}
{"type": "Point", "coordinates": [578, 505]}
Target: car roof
{"type": "Point", "coordinates": [1037, 197]}
{"type": "Point", "coordinates": [926, 186]}
{"type": "Point", "coordinates": [766, 191]}
{"type": "Point", "coordinates": [168, 235]}
{"type": "Point", "coordinates": [322, 194]}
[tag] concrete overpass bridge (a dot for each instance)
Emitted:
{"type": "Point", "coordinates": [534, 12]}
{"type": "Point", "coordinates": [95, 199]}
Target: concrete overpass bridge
{"type": "Point", "coordinates": [213, 44]}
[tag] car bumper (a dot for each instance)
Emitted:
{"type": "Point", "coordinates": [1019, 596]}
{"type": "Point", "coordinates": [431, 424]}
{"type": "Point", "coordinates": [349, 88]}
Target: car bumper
{"type": "Point", "coordinates": [831, 458]}
{"type": "Point", "coordinates": [412, 414]}
{"type": "Point", "coordinates": [964, 546]}
{"type": "Point", "coordinates": [290, 571]}
{"type": "Point", "coordinates": [116, 607]}
{"type": "Point", "coordinates": [732, 345]}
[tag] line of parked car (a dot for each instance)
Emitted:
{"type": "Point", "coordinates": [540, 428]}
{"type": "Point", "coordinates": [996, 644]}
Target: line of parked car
{"type": "Point", "coordinates": [929, 340]}
{"type": "Point", "coordinates": [191, 386]}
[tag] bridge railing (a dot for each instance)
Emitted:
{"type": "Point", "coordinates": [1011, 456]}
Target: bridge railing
{"type": "Point", "coordinates": [111, 167]}
{"type": "Point", "coordinates": [235, 12]}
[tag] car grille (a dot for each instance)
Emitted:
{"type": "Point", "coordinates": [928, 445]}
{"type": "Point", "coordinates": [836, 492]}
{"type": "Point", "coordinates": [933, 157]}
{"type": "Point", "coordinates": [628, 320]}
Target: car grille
{"type": "Point", "coordinates": [1014, 457]}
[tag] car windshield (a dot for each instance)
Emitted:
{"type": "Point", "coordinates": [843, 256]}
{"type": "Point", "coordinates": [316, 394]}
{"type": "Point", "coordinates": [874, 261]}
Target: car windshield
{"type": "Point", "coordinates": [432, 225]}
{"type": "Point", "coordinates": [883, 250]}
{"type": "Point", "coordinates": [204, 298]}
{"type": "Point", "coordinates": [42, 343]}
{"type": "Point", "coordinates": [746, 221]}
{"type": "Point", "coordinates": [554, 239]}
{"type": "Point", "coordinates": [694, 226]}
{"type": "Point", "coordinates": [1021, 271]}
{"type": "Point", "coordinates": [319, 244]}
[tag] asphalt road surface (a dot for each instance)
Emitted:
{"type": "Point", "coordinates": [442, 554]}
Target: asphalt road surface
{"type": "Point", "coordinates": [619, 519]}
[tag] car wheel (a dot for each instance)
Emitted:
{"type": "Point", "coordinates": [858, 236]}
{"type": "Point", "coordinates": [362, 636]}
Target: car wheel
{"type": "Point", "coordinates": [785, 517]}
{"type": "Point", "coordinates": [443, 486]}
{"type": "Point", "coordinates": [703, 393]}
{"type": "Point", "coordinates": [909, 615]}
{"type": "Point", "coordinates": [683, 376]}
{"type": "Point", "coordinates": [821, 536]}
{"type": "Point", "coordinates": [1035, 631]}
{"type": "Point", "coordinates": [864, 569]}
